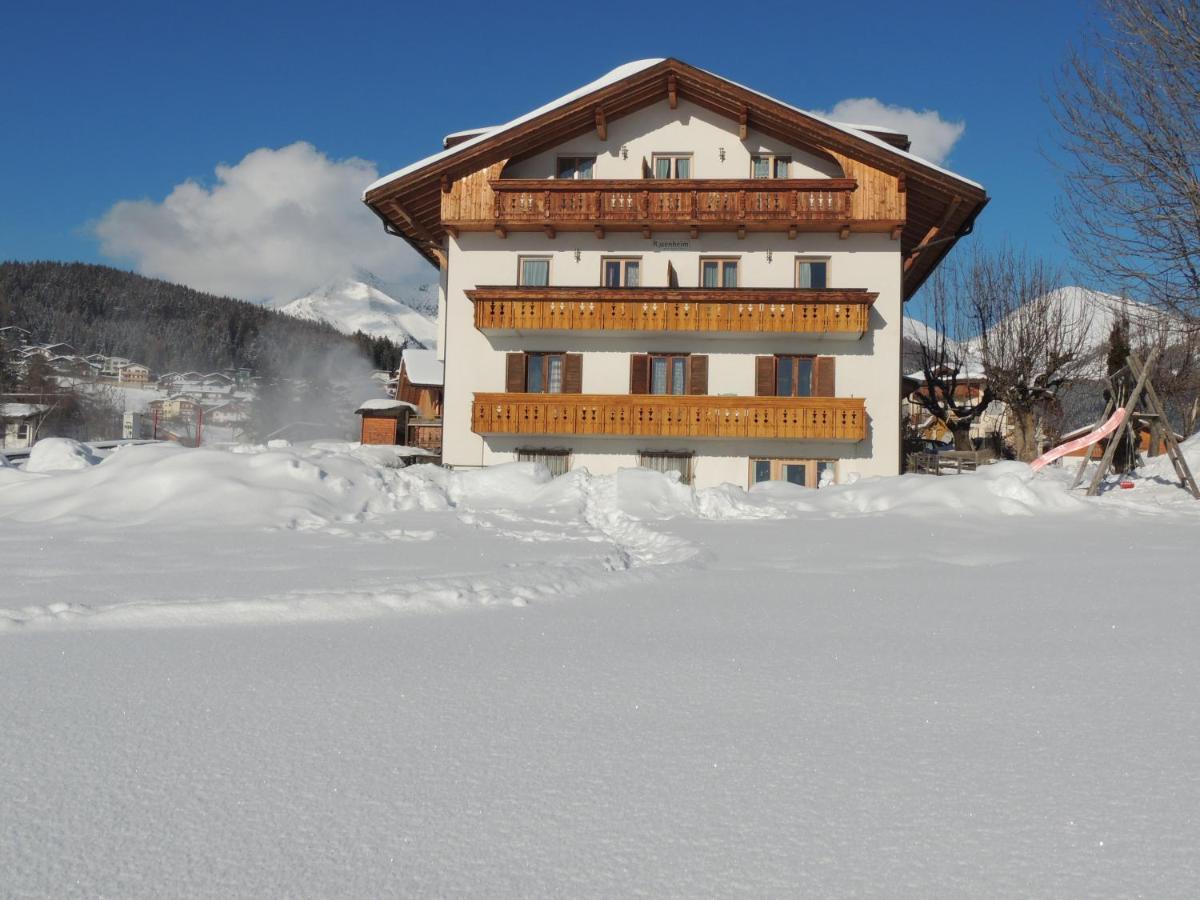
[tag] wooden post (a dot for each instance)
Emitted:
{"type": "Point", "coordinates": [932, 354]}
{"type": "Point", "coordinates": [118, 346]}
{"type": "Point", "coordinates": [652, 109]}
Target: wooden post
{"type": "Point", "coordinates": [1111, 450]}
{"type": "Point", "coordinates": [1173, 450]}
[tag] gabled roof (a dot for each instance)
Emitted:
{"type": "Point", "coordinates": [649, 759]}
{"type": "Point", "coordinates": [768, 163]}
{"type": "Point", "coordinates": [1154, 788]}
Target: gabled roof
{"type": "Point", "coordinates": [940, 203]}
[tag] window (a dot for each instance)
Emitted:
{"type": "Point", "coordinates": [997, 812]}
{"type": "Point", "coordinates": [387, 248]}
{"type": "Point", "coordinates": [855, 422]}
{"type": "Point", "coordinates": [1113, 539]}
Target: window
{"type": "Point", "coordinates": [557, 461]}
{"type": "Point", "coordinates": [719, 273]}
{"type": "Point", "coordinates": [672, 165]}
{"type": "Point", "coordinates": [812, 273]}
{"type": "Point", "coordinates": [576, 167]}
{"type": "Point", "coordinates": [811, 473]}
{"type": "Point", "coordinates": [23, 431]}
{"type": "Point", "coordinates": [770, 166]}
{"type": "Point", "coordinates": [543, 373]}
{"type": "Point", "coordinates": [793, 376]}
{"type": "Point", "coordinates": [668, 462]}
{"type": "Point", "coordinates": [534, 271]}
{"type": "Point", "coordinates": [668, 374]}
{"type": "Point", "coordinates": [619, 272]}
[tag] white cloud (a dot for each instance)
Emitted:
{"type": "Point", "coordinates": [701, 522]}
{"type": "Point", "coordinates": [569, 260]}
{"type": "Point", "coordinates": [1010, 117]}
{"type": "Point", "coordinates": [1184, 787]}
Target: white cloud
{"type": "Point", "coordinates": [932, 136]}
{"type": "Point", "coordinates": [272, 227]}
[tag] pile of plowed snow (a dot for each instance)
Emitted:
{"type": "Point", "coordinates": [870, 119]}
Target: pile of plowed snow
{"type": "Point", "coordinates": [314, 485]}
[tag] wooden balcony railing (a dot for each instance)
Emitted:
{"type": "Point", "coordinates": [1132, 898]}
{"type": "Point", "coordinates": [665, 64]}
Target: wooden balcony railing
{"type": "Point", "coordinates": [711, 204]}
{"type": "Point", "coordinates": [840, 313]}
{"type": "Point", "coordinates": [689, 416]}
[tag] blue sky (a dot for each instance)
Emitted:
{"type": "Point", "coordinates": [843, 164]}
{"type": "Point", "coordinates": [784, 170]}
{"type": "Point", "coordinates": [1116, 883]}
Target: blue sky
{"type": "Point", "coordinates": [126, 101]}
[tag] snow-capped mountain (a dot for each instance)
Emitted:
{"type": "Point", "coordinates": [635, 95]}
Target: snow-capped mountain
{"type": "Point", "coordinates": [350, 305]}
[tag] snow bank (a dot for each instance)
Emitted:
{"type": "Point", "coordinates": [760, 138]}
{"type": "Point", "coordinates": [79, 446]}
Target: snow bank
{"type": "Point", "coordinates": [60, 454]}
{"type": "Point", "coordinates": [310, 486]}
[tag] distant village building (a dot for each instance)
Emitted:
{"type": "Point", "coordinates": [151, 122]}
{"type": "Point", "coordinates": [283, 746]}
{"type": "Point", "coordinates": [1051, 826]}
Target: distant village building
{"type": "Point", "coordinates": [18, 424]}
{"type": "Point", "coordinates": [134, 373]}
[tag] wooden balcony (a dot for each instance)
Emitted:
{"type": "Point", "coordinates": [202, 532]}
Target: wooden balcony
{"type": "Point", "coordinates": [840, 314]}
{"type": "Point", "coordinates": [671, 416]}
{"type": "Point", "coordinates": [791, 205]}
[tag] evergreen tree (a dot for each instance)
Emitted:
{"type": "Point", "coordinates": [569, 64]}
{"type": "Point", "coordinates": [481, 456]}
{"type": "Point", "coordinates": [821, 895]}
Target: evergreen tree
{"type": "Point", "coordinates": [1125, 456]}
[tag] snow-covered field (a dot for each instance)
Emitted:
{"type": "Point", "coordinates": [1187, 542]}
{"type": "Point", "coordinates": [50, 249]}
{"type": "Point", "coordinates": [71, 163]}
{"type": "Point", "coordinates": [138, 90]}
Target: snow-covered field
{"type": "Point", "coordinates": [305, 672]}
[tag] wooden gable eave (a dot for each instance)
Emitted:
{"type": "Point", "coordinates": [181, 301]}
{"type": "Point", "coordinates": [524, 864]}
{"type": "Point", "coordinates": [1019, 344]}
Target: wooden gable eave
{"type": "Point", "coordinates": [927, 189]}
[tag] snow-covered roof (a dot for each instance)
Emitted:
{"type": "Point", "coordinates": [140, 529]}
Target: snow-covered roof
{"type": "Point", "coordinates": [632, 68]}
{"type": "Point", "coordinates": [603, 81]}
{"type": "Point", "coordinates": [422, 366]}
{"type": "Point", "coordinates": [465, 133]}
{"type": "Point", "coordinates": [21, 410]}
{"type": "Point", "coordinates": [382, 404]}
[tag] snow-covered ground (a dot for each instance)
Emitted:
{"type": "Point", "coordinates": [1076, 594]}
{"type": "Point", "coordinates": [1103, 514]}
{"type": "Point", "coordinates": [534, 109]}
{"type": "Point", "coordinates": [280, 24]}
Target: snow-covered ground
{"type": "Point", "coordinates": [307, 672]}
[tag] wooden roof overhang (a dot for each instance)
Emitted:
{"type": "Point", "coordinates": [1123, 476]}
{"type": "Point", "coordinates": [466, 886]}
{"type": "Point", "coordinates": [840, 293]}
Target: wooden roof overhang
{"type": "Point", "coordinates": [940, 206]}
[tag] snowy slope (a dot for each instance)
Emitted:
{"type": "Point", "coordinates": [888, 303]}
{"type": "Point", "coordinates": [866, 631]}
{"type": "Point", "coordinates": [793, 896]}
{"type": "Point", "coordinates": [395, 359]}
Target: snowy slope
{"type": "Point", "coordinates": [298, 672]}
{"type": "Point", "coordinates": [350, 305]}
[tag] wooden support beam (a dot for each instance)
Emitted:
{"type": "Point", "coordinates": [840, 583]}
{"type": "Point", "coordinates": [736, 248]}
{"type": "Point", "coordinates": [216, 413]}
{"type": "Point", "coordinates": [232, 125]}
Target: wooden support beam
{"type": "Point", "coordinates": [694, 232]}
{"type": "Point", "coordinates": [646, 232]}
{"type": "Point", "coordinates": [418, 229]}
{"type": "Point", "coordinates": [452, 230]}
{"type": "Point", "coordinates": [601, 125]}
{"type": "Point", "coordinates": [549, 229]}
{"type": "Point", "coordinates": [743, 124]}
{"type": "Point", "coordinates": [672, 92]}
{"type": "Point", "coordinates": [1173, 449]}
{"type": "Point", "coordinates": [445, 184]}
{"type": "Point", "coordinates": [844, 233]}
{"type": "Point", "coordinates": [741, 232]}
{"type": "Point", "coordinates": [501, 232]}
{"type": "Point", "coordinates": [902, 183]}
{"type": "Point", "coordinates": [792, 232]}
{"type": "Point", "coordinates": [598, 231]}
{"type": "Point", "coordinates": [1115, 439]}
{"type": "Point", "coordinates": [932, 233]}
{"type": "Point", "coordinates": [897, 230]}
{"type": "Point", "coordinates": [443, 257]}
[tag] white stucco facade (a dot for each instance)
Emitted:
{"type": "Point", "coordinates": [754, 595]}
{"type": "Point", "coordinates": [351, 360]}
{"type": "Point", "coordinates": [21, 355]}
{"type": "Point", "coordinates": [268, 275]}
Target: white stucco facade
{"type": "Point", "coordinates": [868, 367]}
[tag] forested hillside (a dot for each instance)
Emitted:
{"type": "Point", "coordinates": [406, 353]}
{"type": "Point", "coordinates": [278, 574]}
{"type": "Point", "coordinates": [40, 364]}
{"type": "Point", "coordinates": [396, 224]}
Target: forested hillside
{"type": "Point", "coordinates": [168, 327]}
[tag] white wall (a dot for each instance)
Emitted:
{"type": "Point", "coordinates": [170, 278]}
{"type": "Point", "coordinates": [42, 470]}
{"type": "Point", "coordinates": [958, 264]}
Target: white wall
{"type": "Point", "coordinates": [866, 368]}
{"type": "Point", "coordinates": [686, 129]}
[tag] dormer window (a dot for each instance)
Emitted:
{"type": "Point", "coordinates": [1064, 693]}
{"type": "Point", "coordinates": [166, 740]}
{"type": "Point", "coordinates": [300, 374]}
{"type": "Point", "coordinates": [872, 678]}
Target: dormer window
{"type": "Point", "coordinates": [576, 167]}
{"type": "Point", "coordinates": [770, 166]}
{"type": "Point", "coordinates": [672, 165]}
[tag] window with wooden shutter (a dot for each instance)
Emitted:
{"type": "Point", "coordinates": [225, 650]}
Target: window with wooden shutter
{"type": "Point", "coordinates": [514, 379]}
{"type": "Point", "coordinates": [697, 374]}
{"type": "Point", "coordinates": [639, 373]}
{"type": "Point", "coordinates": [824, 381]}
{"type": "Point", "coordinates": [572, 373]}
{"type": "Point", "coordinates": [764, 376]}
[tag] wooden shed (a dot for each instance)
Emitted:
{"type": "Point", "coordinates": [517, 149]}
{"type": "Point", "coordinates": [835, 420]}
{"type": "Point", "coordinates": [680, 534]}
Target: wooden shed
{"type": "Point", "coordinates": [384, 421]}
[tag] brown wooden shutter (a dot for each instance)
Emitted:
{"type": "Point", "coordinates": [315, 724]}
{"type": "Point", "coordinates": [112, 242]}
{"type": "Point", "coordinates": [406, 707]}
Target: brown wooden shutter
{"type": "Point", "coordinates": [823, 377]}
{"type": "Point", "coordinates": [572, 373]}
{"type": "Point", "coordinates": [514, 376]}
{"type": "Point", "coordinates": [639, 373]}
{"type": "Point", "coordinates": [697, 374]}
{"type": "Point", "coordinates": [764, 376]}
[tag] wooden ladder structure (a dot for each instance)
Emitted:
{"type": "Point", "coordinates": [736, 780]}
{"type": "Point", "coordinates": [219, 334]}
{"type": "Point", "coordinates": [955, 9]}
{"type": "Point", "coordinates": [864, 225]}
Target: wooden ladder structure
{"type": "Point", "coordinates": [1143, 393]}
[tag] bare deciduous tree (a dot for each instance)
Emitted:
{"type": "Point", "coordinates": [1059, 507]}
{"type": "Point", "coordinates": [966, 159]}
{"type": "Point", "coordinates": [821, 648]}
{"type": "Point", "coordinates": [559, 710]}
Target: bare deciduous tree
{"type": "Point", "coordinates": [1032, 336]}
{"type": "Point", "coordinates": [1129, 107]}
{"type": "Point", "coordinates": [1029, 339]}
{"type": "Point", "coordinates": [946, 362]}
